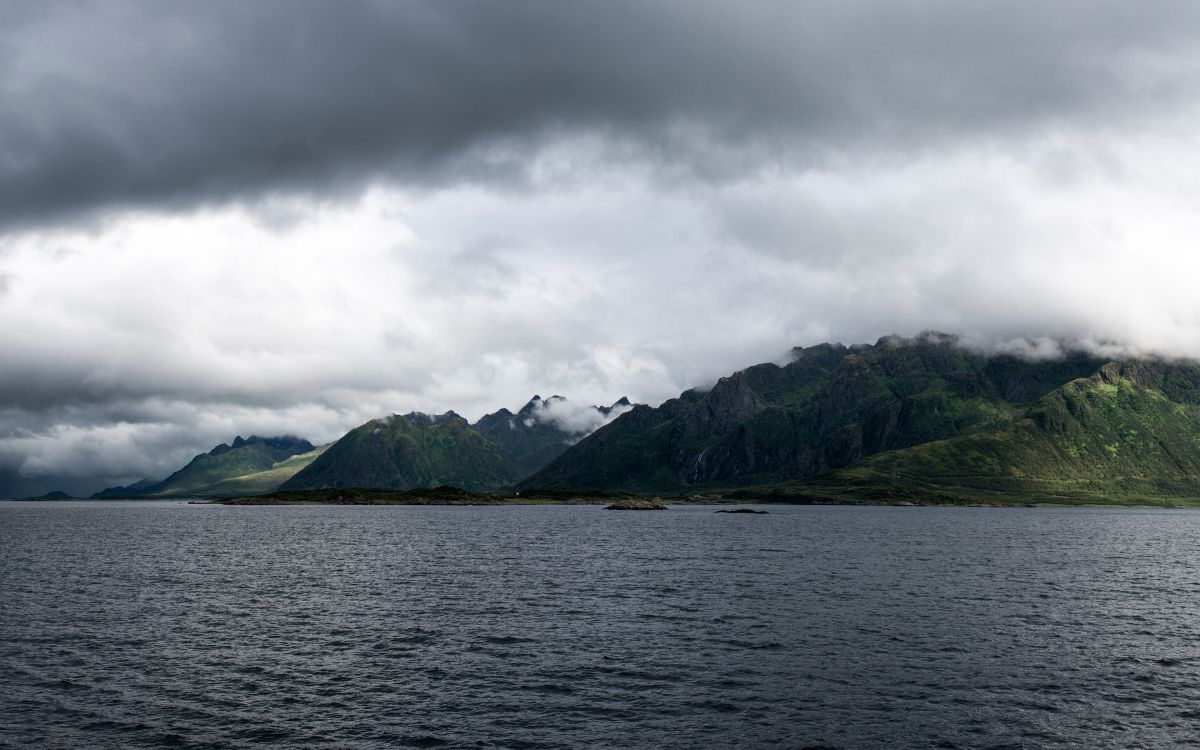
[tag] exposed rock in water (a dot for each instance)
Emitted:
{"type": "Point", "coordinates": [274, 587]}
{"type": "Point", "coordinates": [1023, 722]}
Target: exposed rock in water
{"type": "Point", "coordinates": [744, 510]}
{"type": "Point", "coordinates": [636, 505]}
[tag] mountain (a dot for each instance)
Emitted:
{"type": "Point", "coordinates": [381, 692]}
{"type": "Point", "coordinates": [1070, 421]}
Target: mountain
{"type": "Point", "coordinates": [829, 408]}
{"type": "Point", "coordinates": [217, 472]}
{"type": "Point", "coordinates": [543, 429]}
{"type": "Point", "coordinates": [407, 452]}
{"type": "Point", "coordinates": [267, 480]}
{"type": "Point", "coordinates": [418, 450]}
{"type": "Point", "coordinates": [1130, 431]}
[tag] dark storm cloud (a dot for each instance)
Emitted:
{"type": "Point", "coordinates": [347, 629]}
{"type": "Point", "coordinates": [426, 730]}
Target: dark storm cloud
{"type": "Point", "coordinates": [135, 103]}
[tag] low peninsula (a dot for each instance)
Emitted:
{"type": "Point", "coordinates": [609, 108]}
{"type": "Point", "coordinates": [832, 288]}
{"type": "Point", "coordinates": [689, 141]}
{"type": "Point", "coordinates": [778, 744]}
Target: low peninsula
{"type": "Point", "coordinates": [428, 496]}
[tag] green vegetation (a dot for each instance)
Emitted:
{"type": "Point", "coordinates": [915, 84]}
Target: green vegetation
{"type": "Point", "coordinates": [408, 452]}
{"type": "Point", "coordinates": [1114, 437]}
{"type": "Point", "coordinates": [254, 464]}
{"type": "Point", "coordinates": [261, 482]}
{"type": "Point", "coordinates": [919, 420]}
{"type": "Point", "coordinates": [829, 408]}
{"type": "Point", "coordinates": [399, 452]}
{"type": "Point", "coordinates": [912, 421]}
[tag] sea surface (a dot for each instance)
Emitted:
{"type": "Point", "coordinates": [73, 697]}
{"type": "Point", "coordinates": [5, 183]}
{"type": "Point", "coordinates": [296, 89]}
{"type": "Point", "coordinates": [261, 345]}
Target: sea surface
{"type": "Point", "coordinates": [162, 624]}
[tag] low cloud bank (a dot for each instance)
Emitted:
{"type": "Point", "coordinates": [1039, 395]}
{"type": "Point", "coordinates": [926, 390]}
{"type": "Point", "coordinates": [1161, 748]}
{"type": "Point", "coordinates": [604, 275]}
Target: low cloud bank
{"type": "Point", "coordinates": [574, 418]}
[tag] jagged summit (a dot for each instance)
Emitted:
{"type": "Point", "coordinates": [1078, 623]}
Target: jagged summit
{"type": "Point", "coordinates": [432, 419]}
{"type": "Point", "coordinates": [281, 442]}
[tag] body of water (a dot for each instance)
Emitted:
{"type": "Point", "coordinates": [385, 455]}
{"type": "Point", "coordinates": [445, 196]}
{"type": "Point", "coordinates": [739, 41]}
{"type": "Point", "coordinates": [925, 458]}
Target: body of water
{"type": "Point", "coordinates": [147, 624]}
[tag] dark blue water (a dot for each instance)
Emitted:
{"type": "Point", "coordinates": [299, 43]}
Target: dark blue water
{"type": "Point", "coordinates": [165, 624]}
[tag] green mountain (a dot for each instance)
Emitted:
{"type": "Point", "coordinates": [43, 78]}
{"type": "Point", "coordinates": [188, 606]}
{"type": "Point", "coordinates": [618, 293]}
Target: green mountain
{"type": "Point", "coordinates": [1129, 432]}
{"type": "Point", "coordinates": [829, 408]}
{"type": "Point", "coordinates": [408, 452]}
{"type": "Point", "coordinates": [267, 480]}
{"type": "Point", "coordinates": [418, 450]}
{"type": "Point", "coordinates": [228, 468]}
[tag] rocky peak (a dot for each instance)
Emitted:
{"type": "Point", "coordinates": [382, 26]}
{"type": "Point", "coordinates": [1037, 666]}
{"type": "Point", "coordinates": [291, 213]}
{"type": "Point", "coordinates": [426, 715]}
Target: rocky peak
{"type": "Point", "coordinates": [421, 418]}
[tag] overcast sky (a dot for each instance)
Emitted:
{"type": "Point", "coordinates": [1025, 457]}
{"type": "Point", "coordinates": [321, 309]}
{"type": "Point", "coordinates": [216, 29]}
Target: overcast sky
{"type": "Point", "coordinates": [222, 218]}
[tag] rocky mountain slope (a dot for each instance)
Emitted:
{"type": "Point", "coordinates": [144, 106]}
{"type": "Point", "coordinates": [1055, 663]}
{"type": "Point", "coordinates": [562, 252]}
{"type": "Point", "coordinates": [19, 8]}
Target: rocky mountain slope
{"type": "Point", "coordinates": [829, 408]}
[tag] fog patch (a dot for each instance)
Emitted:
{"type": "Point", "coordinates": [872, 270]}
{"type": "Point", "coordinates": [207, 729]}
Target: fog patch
{"type": "Point", "coordinates": [1040, 349]}
{"type": "Point", "coordinates": [577, 420]}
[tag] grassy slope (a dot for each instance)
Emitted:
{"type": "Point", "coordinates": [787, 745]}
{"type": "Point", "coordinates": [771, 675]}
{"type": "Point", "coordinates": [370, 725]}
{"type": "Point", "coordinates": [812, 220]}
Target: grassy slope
{"type": "Point", "coordinates": [397, 454]}
{"type": "Point", "coordinates": [261, 482]}
{"type": "Point", "coordinates": [204, 472]}
{"type": "Point", "coordinates": [1130, 433]}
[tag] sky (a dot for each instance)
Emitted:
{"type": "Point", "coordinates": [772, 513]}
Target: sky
{"type": "Point", "coordinates": [222, 218]}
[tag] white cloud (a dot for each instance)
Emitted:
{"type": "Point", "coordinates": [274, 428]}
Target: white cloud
{"type": "Point", "coordinates": [574, 418]}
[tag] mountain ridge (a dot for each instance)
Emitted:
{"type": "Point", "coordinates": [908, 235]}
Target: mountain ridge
{"type": "Point", "coordinates": [905, 419]}
{"type": "Point", "coordinates": [827, 408]}
{"type": "Point", "coordinates": [419, 450]}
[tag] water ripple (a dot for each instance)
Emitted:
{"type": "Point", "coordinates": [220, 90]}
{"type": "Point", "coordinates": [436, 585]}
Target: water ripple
{"type": "Point", "coordinates": [167, 625]}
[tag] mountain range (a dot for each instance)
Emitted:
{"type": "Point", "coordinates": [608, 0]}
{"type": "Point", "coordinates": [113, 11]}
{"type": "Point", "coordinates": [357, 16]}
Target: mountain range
{"type": "Point", "coordinates": [246, 466]}
{"type": "Point", "coordinates": [399, 452]}
{"type": "Point", "coordinates": [922, 419]}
